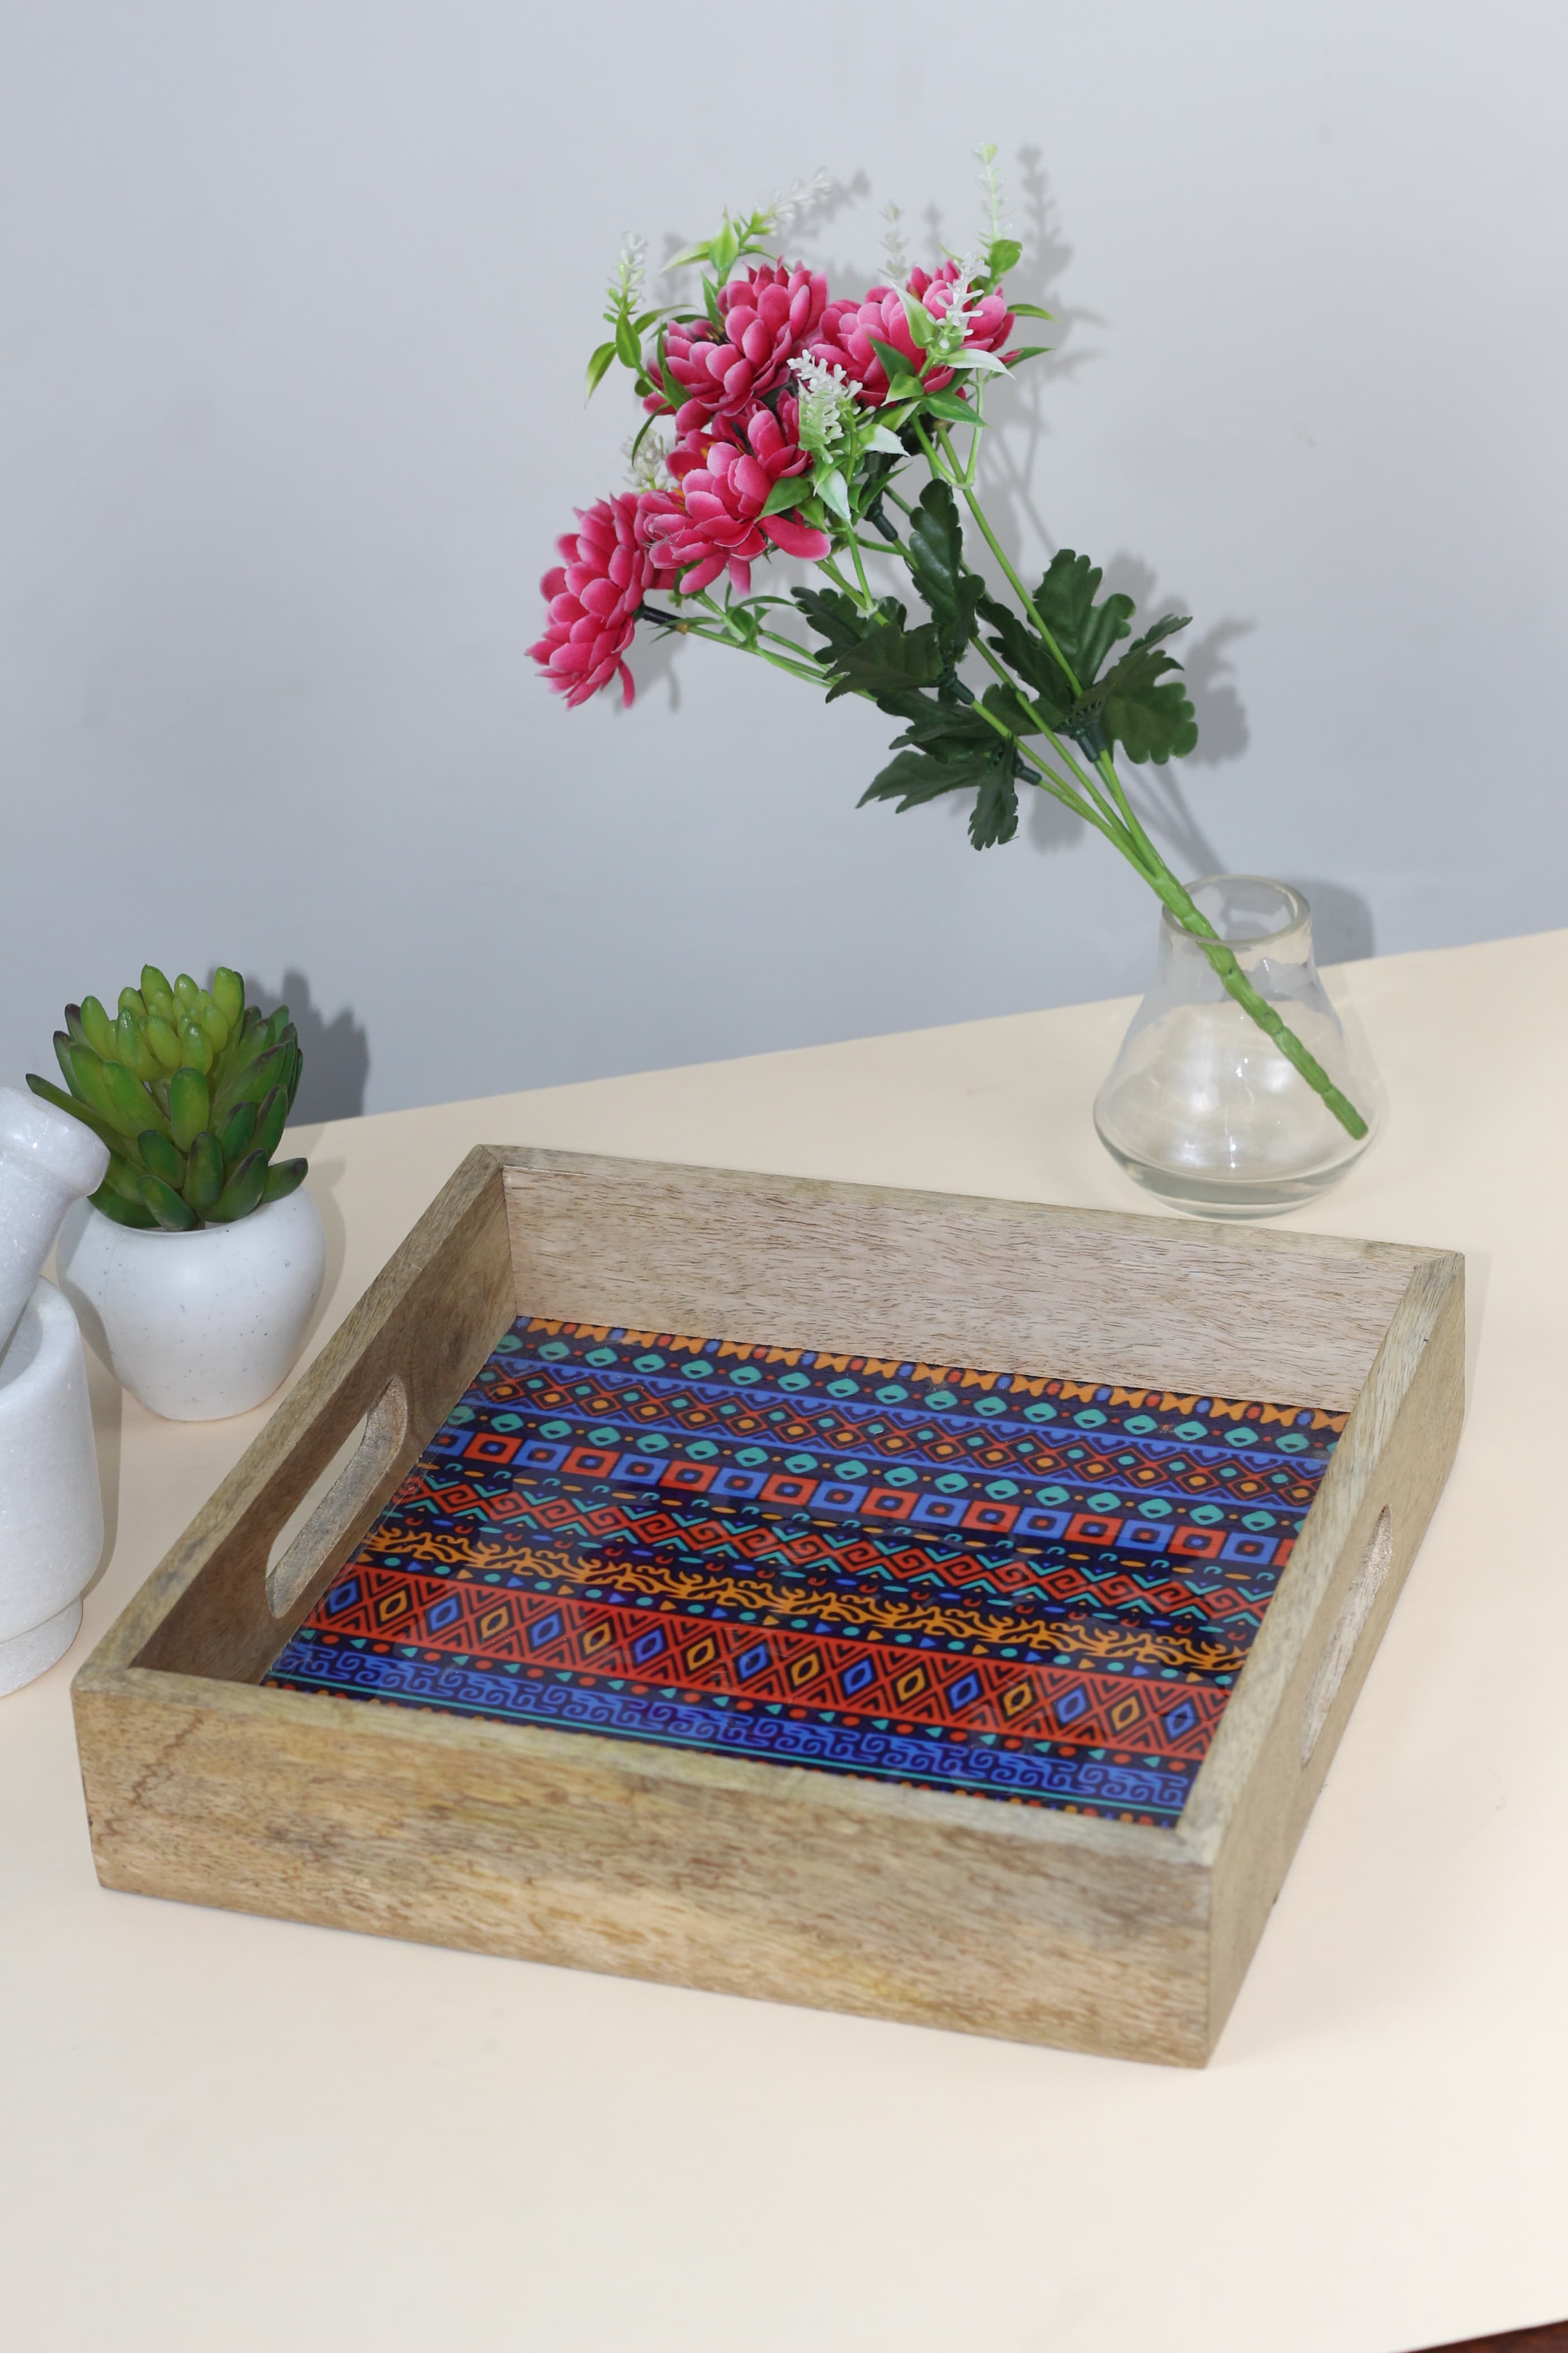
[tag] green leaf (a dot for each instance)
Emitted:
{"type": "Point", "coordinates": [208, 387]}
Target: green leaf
{"type": "Point", "coordinates": [1005, 254]}
{"type": "Point", "coordinates": [784, 496]}
{"type": "Point", "coordinates": [627, 350]}
{"type": "Point", "coordinates": [956, 411]}
{"type": "Point", "coordinates": [282, 1180]}
{"type": "Point", "coordinates": [1031, 311]}
{"type": "Point", "coordinates": [205, 1175]}
{"type": "Point", "coordinates": [271, 1122]}
{"type": "Point", "coordinates": [914, 778]}
{"type": "Point", "coordinates": [190, 1106]}
{"type": "Point", "coordinates": [889, 660]}
{"type": "Point", "coordinates": [168, 1209]}
{"type": "Point", "coordinates": [1028, 657]}
{"type": "Point", "coordinates": [922, 326]}
{"type": "Point", "coordinates": [599, 367]}
{"type": "Point", "coordinates": [993, 819]}
{"type": "Point", "coordinates": [1029, 352]}
{"type": "Point", "coordinates": [838, 619]}
{"type": "Point", "coordinates": [951, 590]}
{"type": "Point", "coordinates": [162, 1158]}
{"type": "Point", "coordinates": [1084, 631]}
{"type": "Point", "coordinates": [830, 489]}
{"type": "Point", "coordinates": [1149, 719]}
{"type": "Point", "coordinates": [48, 1093]}
{"type": "Point", "coordinates": [238, 1131]}
{"type": "Point", "coordinates": [901, 384]}
{"type": "Point", "coordinates": [243, 1192]}
{"type": "Point", "coordinates": [124, 1213]}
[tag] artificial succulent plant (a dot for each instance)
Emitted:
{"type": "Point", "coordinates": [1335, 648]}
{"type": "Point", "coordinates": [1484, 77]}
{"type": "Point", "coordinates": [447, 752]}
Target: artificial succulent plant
{"type": "Point", "coordinates": [190, 1089]}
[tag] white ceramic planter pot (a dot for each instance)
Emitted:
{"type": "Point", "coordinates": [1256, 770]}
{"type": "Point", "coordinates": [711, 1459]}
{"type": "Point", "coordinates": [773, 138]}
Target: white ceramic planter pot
{"type": "Point", "coordinates": [201, 1325]}
{"type": "Point", "coordinates": [51, 1514]}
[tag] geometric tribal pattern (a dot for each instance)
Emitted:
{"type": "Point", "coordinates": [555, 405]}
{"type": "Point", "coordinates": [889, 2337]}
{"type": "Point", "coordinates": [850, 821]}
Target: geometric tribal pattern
{"type": "Point", "coordinates": [1041, 1590]}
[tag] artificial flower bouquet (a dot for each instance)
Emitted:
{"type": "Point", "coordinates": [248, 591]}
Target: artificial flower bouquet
{"type": "Point", "coordinates": [846, 433]}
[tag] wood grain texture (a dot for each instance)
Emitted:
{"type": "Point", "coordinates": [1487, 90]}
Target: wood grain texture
{"type": "Point", "coordinates": [744, 1876]}
{"type": "Point", "coordinates": [430, 1319]}
{"type": "Point", "coordinates": [1553, 2338]}
{"type": "Point", "coordinates": [1011, 1286]}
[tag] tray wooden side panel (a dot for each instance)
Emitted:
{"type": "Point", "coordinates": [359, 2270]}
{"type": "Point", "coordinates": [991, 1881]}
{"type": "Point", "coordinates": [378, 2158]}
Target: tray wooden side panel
{"type": "Point", "coordinates": [738, 1877]}
{"type": "Point", "coordinates": [429, 1321]}
{"type": "Point", "coordinates": [1276, 1741]}
{"type": "Point", "coordinates": [1014, 1286]}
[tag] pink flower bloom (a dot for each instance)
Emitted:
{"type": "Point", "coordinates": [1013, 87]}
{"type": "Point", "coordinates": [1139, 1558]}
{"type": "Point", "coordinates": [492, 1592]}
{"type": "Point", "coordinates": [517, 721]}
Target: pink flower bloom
{"type": "Point", "coordinates": [768, 316]}
{"type": "Point", "coordinates": [594, 598]}
{"type": "Point", "coordinates": [714, 519]}
{"type": "Point", "coordinates": [990, 322]}
{"type": "Point", "coordinates": [849, 330]}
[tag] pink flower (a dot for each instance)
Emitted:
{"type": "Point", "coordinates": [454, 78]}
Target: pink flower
{"type": "Point", "coordinates": [768, 316]}
{"type": "Point", "coordinates": [850, 329]}
{"type": "Point", "coordinates": [990, 322]}
{"type": "Point", "coordinates": [715, 517]}
{"type": "Point", "coordinates": [594, 598]}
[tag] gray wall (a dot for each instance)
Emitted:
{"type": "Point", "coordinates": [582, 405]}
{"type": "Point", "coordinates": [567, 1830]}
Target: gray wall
{"type": "Point", "coordinates": [295, 305]}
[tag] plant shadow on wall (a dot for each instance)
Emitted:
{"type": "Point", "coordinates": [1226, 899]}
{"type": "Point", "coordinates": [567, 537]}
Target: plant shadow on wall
{"type": "Point", "coordinates": [336, 1052]}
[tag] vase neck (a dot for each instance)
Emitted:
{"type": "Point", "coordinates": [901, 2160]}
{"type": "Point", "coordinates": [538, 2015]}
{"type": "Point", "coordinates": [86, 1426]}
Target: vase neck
{"type": "Point", "coordinates": [1262, 920]}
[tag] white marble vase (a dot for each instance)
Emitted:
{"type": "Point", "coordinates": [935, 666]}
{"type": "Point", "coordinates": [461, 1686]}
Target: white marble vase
{"type": "Point", "coordinates": [200, 1324]}
{"type": "Point", "coordinates": [51, 1514]}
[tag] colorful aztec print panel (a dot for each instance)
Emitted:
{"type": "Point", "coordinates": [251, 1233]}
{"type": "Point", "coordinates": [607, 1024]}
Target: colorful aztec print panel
{"type": "Point", "coordinates": [1041, 1590]}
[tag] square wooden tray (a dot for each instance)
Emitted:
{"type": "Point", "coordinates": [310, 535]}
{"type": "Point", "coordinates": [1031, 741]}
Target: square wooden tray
{"type": "Point", "coordinates": [723, 1872]}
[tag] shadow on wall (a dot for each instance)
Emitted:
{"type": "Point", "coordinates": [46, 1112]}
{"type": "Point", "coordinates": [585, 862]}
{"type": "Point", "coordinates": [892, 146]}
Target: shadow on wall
{"type": "Point", "coordinates": [1342, 929]}
{"type": "Point", "coordinates": [336, 1052]}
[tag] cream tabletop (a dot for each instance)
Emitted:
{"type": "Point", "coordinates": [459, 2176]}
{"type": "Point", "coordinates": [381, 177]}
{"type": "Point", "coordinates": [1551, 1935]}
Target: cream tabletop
{"type": "Point", "coordinates": [221, 2134]}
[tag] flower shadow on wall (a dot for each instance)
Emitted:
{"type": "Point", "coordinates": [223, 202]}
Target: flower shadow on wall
{"type": "Point", "coordinates": [336, 1052]}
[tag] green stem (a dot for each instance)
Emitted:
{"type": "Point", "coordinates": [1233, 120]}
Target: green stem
{"type": "Point", "coordinates": [957, 479]}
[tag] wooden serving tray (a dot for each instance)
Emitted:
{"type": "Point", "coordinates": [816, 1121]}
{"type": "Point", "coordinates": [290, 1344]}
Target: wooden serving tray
{"type": "Point", "coordinates": [1095, 1910]}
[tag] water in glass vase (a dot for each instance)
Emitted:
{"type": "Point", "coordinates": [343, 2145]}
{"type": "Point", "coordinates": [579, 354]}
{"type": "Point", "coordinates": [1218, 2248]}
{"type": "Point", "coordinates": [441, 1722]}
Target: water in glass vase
{"type": "Point", "coordinates": [1202, 1105]}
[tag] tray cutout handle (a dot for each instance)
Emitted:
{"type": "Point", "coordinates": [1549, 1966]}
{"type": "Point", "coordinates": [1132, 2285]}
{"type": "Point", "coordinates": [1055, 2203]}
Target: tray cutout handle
{"type": "Point", "coordinates": [1365, 1587]}
{"type": "Point", "coordinates": [386, 1429]}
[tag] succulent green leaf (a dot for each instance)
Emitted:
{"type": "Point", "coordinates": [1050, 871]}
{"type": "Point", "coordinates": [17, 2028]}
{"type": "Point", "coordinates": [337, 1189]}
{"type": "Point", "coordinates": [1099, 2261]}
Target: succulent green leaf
{"type": "Point", "coordinates": [294, 1076]}
{"type": "Point", "coordinates": [276, 1023]}
{"type": "Point", "coordinates": [269, 1123]}
{"type": "Point", "coordinates": [159, 1158]}
{"type": "Point", "coordinates": [238, 1131]}
{"type": "Point", "coordinates": [243, 1191]}
{"type": "Point", "coordinates": [130, 1002]}
{"type": "Point", "coordinates": [76, 1029]}
{"type": "Point", "coordinates": [195, 1046]}
{"type": "Point", "coordinates": [125, 1177]}
{"type": "Point", "coordinates": [165, 1042]}
{"type": "Point", "coordinates": [213, 1024]}
{"type": "Point", "coordinates": [254, 1083]}
{"type": "Point", "coordinates": [204, 1174]}
{"type": "Point", "coordinates": [937, 567]}
{"type": "Point", "coordinates": [187, 993]}
{"type": "Point", "coordinates": [102, 1128]}
{"type": "Point", "coordinates": [229, 994]}
{"type": "Point", "coordinates": [174, 1215]}
{"type": "Point", "coordinates": [123, 1213]}
{"type": "Point", "coordinates": [133, 1048]}
{"type": "Point", "coordinates": [283, 1179]}
{"type": "Point", "coordinates": [190, 1106]}
{"type": "Point", "coordinates": [100, 1028]}
{"type": "Point", "coordinates": [155, 982]}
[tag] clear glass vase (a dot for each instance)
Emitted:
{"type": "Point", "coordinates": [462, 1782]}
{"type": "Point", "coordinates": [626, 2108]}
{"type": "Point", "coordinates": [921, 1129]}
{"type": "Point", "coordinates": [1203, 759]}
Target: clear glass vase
{"type": "Point", "coordinates": [1201, 1105]}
